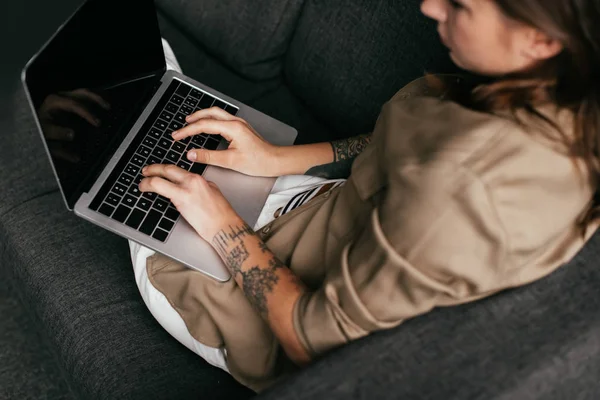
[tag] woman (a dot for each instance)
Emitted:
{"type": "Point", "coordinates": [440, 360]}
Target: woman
{"type": "Point", "coordinates": [463, 190]}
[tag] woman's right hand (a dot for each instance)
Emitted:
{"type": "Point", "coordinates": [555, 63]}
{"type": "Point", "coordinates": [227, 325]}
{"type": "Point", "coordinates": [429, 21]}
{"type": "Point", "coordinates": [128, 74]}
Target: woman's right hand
{"type": "Point", "coordinates": [247, 153]}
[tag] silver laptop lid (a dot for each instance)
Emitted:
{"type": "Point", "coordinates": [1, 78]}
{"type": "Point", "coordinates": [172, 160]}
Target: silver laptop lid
{"type": "Point", "coordinates": [88, 84]}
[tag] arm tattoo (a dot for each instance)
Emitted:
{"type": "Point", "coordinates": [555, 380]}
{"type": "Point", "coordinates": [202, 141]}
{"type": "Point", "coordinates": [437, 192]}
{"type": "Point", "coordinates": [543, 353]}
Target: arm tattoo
{"type": "Point", "coordinates": [257, 281]}
{"type": "Point", "coordinates": [344, 153]}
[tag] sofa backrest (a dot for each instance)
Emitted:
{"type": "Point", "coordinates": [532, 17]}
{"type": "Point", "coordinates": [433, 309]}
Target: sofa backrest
{"type": "Point", "coordinates": [251, 37]}
{"type": "Point", "coordinates": [348, 57]}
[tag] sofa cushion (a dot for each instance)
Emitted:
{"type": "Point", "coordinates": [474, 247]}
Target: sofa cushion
{"type": "Point", "coordinates": [250, 36]}
{"type": "Point", "coordinates": [537, 342]}
{"type": "Point", "coordinates": [205, 68]}
{"type": "Point", "coordinates": [348, 57]}
{"type": "Point", "coordinates": [78, 281]}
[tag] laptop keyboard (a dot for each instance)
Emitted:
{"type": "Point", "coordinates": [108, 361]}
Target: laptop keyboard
{"type": "Point", "coordinates": [120, 197]}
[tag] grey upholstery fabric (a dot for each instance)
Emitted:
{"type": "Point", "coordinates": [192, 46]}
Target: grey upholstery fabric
{"type": "Point", "coordinates": [198, 64]}
{"type": "Point", "coordinates": [537, 342]}
{"type": "Point", "coordinates": [250, 36]}
{"type": "Point", "coordinates": [348, 57]}
{"type": "Point", "coordinates": [78, 281]}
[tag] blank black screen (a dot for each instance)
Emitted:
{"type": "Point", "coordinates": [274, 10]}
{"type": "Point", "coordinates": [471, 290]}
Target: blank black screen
{"type": "Point", "coordinates": [89, 80]}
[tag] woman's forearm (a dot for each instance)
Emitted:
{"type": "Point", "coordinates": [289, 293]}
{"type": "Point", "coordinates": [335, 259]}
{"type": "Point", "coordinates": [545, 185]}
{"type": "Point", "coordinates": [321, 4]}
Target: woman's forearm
{"type": "Point", "coordinates": [328, 160]}
{"type": "Point", "coordinates": [271, 287]}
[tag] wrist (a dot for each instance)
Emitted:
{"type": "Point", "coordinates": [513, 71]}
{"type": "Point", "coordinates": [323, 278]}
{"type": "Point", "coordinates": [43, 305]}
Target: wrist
{"type": "Point", "coordinates": [230, 226]}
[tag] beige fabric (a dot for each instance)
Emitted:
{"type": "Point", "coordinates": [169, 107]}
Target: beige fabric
{"type": "Point", "coordinates": [445, 206]}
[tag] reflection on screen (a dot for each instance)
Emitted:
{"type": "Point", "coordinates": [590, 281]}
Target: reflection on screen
{"type": "Point", "coordinates": [87, 82]}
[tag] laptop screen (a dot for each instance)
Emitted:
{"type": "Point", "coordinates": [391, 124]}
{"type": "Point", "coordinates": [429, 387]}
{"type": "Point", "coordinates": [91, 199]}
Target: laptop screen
{"type": "Point", "coordinates": [89, 83]}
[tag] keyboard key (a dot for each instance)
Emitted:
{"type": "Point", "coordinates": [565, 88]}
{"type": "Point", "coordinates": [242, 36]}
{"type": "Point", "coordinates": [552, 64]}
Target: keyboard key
{"type": "Point", "coordinates": [160, 124]}
{"type": "Point", "coordinates": [180, 118]}
{"type": "Point", "coordinates": [153, 160]}
{"type": "Point", "coordinates": [125, 179]}
{"type": "Point", "coordinates": [160, 235]}
{"type": "Point", "coordinates": [172, 108]}
{"type": "Point", "coordinates": [193, 146]}
{"type": "Point", "coordinates": [183, 90]}
{"type": "Point", "coordinates": [167, 116]}
{"type": "Point", "coordinates": [149, 195]}
{"type": "Point", "coordinates": [199, 140]}
{"type": "Point", "coordinates": [213, 143]}
{"type": "Point", "coordinates": [175, 125]}
{"type": "Point", "coordinates": [178, 147]}
{"type": "Point", "coordinates": [119, 189]}
{"type": "Point", "coordinates": [150, 222]}
{"type": "Point", "coordinates": [172, 213]}
{"type": "Point", "coordinates": [138, 160]}
{"type": "Point", "coordinates": [195, 93]}
{"type": "Point", "coordinates": [155, 133]}
{"type": "Point", "coordinates": [206, 102]}
{"type": "Point", "coordinates": [131, 169]}
{"type": "Point", "coordinates": [220, 104]}
{"type": "Point", "coordinates": [173, 157]}
{"type": "Point", "coordinates": [148, 141]}
{"type": "Point", "coordinates": [198, 168]}
{"type": "Point", "coordinates": [165, 143]}
{"type": "Point", "coordinates": [144, 151]}
{"type": "Point", "coordinates": [160, 205]}
{"type": "Point", "coordinates": [184, 165]}
{"type": "Point", "coordinates": [144, 204]}
{"type": "Point", "coordinates": [166, 224]}
{"type": "Point", "coordinates": [231, 110]}
{"type": "Point", "coordinates": [113, 199]}
{"type": "Point", "coordinates": [168, 134]}
{"type": "Point", "coordinates": [185, 109]}
{"type": "Point", "coordinates": [186, 140]}
{"type": "Point", "coordinates": [190, 101]}
{"type": "Point", "coordinates": [106, 209]}
{"type": "Point", "coordinates": [135, 219]}
{"type": "Point", "coordinates": [137, 180]}
{"type": "Point", "coordinates": [134, 190]}
{"type": "Point", "coordinates": [129, 200]}
{"type": "Point", "coordinates": [159, 152]}
{"type": "Point", "coordinates": [177, 99]}
{"type": "Point", "coordinates": [121, 213]}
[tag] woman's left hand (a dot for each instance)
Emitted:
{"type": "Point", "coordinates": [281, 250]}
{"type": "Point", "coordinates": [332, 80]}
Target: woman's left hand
{"type": "Point", "coordinates": [200, 202]}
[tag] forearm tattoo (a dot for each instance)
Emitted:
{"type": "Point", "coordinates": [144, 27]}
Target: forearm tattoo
{"type": "Point", "coordinates": [256, 281]}
{"type": "Point", "coordinates": [344, 153]}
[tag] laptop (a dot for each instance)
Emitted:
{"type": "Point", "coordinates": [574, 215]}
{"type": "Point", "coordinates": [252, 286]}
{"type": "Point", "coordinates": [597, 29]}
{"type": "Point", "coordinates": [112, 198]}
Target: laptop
{"type": "Point", "coordinates": [105, 107]}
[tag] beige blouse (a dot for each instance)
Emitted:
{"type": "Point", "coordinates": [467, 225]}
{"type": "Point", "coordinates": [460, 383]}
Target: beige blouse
{"type": "Point", "coordinates": [445, 206]}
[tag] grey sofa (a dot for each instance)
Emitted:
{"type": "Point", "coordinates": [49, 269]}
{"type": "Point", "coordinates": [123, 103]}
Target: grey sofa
{"type": "Point", "coordinates": [325, 67]}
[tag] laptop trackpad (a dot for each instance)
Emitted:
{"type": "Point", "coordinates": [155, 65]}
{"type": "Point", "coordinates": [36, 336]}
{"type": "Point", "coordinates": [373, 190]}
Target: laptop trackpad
{"type": "Point", "coordinates": [246, 194]}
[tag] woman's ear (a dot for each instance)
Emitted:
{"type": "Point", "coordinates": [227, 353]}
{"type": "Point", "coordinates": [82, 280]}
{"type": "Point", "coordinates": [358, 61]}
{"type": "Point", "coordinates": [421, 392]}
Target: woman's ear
{"type": "Point", "coordinates": [539, 46]}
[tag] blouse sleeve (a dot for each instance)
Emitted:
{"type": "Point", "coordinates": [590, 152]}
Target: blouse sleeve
{"type": "Point", "coordinates": [434, 239]}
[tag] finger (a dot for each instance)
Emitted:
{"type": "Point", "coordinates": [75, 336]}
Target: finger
{"type": "Point", "coordinates": [162, 187]}
{"type": "Point", "coordinates": [167, 171]}
{"type": "Point", "coordinates": [54, 132]}
{"type": "Point", "coordinates": [212, 185]}
{"type": "Point", "coordinates": [219, 158]}
{"type": "Point", "coordinates": [89, 95]}
{"type": "Point", "coordinates": [228, 129]}
{"type": "Point", "coordinates": [71, 105]}
{"type": "Point", "coordinates": [214, 113]}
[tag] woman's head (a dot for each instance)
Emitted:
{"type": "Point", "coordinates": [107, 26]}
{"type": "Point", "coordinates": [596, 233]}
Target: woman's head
{"type": "Point", "coordinates": [508, 37]}
{"type": "Point", "coordinates": [536, 51]}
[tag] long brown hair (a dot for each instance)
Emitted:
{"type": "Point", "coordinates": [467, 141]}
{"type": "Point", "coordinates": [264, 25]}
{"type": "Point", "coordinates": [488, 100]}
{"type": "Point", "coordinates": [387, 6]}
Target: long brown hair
{"type": "Point", "coordinates": [571, 80]}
